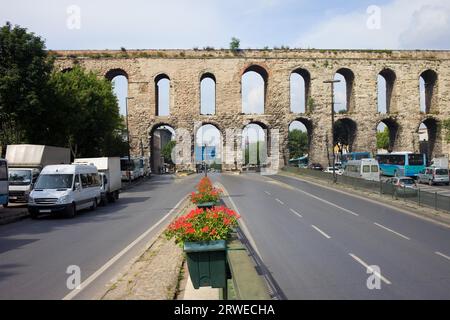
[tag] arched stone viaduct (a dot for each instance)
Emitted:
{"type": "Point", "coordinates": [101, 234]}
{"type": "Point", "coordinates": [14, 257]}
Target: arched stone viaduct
{"type": "Point", "coordinates": [185, 69]}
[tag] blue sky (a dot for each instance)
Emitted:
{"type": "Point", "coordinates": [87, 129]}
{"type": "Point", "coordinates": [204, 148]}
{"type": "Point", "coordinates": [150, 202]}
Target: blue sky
{"type": "Point", "coordinates": [185, 24]}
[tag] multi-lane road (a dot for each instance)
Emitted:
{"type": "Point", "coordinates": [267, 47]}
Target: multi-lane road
{"type": "Point", "coordinates": [317, 243]}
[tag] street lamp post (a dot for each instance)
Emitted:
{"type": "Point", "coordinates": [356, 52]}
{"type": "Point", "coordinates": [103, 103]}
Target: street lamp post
{"type": "Point", "coordinates": [332, 82]}
{"type": "Point", "coordinates": [128, 135]}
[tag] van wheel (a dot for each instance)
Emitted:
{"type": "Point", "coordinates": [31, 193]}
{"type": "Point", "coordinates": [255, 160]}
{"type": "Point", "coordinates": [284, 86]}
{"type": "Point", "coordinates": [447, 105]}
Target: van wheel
{"type": "Point", "coordinates": [71, 211]}
{"type": "Point", "coordinates": [5, 205]}
{"type": "Point", "coordinates": [116, 195]}
{"type": "Point", "coordinates": [94, 204]}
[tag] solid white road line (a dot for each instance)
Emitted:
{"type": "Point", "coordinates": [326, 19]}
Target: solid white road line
{"type": "Point", "coordinates": [321, 232]}
{"type": "Point", "coordinates": [390, 230]}
{"type": "Point", "coordinates": [370, 269]}
{"type": "Point", "coordinates": [97, 273]}
{"type": "Point", "coordinates": [296, 213]}
{"type": "Point", "coordinates": [279, 201]}
{"type": "Point", "coordinates": [442, 255]}
{"type": "Point", "coordinates": [268, 193]}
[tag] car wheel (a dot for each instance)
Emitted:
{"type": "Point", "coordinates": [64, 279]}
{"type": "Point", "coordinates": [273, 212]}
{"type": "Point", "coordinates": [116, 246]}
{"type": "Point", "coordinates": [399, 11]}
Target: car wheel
{"type": "Point", "coordinates": [5, 205]}
{"type": "Point", "coordinates": [70, 211]}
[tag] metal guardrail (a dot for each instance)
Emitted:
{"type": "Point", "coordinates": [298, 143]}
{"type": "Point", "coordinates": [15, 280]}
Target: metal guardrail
{"type": "Point", "coordinates": [422, 198]}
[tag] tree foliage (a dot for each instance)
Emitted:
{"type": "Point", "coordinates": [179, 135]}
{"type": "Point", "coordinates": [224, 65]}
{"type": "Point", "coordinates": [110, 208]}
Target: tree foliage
{"type": "Point", "coordinates": [383, 141]}
{"type": "Point", "coordinates": [167, 151]}
{"type": "Point", "coordinates": [297, 143]}
{"type": "Point", "coordinates": [39, 105]}
{"type": "Point", "coordinates": [25, 69]}
{"type": "Point", "coordinates": [234, 44]}
{"type": "Point", "coordinates": [446, 129]}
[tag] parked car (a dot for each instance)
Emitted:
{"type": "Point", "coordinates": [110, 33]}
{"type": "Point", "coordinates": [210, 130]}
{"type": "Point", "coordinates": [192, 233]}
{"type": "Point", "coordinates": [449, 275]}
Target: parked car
{"type": "Point", "coordinates": [403, 185]}
{"type": "Point", "coordinates": [338, 171]}
{"type": "Point", "coordinates": [433, 175]}
{"type": "Point", "coordinates": [315, 166]}
{"type": "Point", "coordinates": [65, 189]}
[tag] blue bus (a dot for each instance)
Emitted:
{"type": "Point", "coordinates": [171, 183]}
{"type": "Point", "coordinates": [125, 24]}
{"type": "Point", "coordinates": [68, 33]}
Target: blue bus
{"type": "Point", "coordinates": [4, 196]}
{"type": "Point", "coordinates": [406, 164]}
{"type": "Point", "coordinates": [354, 156]}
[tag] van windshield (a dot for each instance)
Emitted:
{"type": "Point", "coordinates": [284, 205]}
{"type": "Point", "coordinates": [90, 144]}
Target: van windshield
{"type": "Point", "coordinates": [54, 181]}
{"type": "Point", "coordinates": [19, 177]}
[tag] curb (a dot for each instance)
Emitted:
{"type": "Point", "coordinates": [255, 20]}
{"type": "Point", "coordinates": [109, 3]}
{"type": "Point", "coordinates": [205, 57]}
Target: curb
{"type": "Point", "coordinates": [13, 217]}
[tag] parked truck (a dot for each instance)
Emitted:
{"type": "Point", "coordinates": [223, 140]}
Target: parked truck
{"type": "Point", "coordinates": [25, 162]}
{"type": "Point", "coordinates": [440, 162]}
{"type": "Point", "coordinates": [110, 175]}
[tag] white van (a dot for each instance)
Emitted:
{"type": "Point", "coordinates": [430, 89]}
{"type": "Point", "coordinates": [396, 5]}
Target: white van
{"type": "Point", "coordinates": [367, 169]}
{"type": "Point", "coordinates": [65, 188]}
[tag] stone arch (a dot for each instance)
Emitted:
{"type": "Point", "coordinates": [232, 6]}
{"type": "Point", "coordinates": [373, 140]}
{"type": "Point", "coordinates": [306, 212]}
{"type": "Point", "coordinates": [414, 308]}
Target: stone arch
{"type": "Point", "coordinates": [207, 76]}
{"type": "Point", "coordinates": [428, 81]}
{"type": "Point", "coordinates": [157, 142]}
{"type": "Point", "coordinates": [344, 134]}
{"type": "Point", "coordinates": [430, 146]}
{"type": "Point", "coordinates": [263, 74]}
{"type": "Point", "coordinates": [112, 73]}
{"type": "Point", "coordinates": [306, 83]}
{"type": "Point", "coordinates": [255, 153]}
{"type": "Point", "coordinates": [349, 78]}
{"type": "Point", "coordinates": [393, 128]}
{"type": "Point", "coordinates": [385, 94]}
{"type": "Point", "coordinates": [158, 107]}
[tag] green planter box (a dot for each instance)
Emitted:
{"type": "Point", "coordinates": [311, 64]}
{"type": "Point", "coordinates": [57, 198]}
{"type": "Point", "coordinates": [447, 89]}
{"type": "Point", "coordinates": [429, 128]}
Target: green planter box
{"type": "Point", "coordinates": [207, 263]}
{"type": "Point", "coordinates": [206, 205]}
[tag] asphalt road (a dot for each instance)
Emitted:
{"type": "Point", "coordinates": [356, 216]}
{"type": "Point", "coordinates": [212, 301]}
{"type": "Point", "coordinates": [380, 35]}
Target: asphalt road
{"type": "Point", "coordinates": [317, 243]}
{"type": "Point", "coordinates": [35, 254]}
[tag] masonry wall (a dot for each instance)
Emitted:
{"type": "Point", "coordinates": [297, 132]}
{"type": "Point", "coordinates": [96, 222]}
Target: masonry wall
{"type": "Point", "coordinates": [185, 68]}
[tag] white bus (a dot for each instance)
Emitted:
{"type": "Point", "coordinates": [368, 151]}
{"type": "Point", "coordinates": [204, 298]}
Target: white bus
{"type": "Point", "coordinates": [4, 193]}
{"type": "Point", "coordinates": [367, 169]}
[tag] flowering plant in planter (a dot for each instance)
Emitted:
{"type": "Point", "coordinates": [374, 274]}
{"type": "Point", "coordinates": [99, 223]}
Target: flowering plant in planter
{"type": "Point", "coordinates": [206, 192]}
{"type": "Point", "coordinates": [203, 225]}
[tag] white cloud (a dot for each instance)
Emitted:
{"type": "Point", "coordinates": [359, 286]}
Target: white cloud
{"type": "Point", "coordinates": [405, 24]}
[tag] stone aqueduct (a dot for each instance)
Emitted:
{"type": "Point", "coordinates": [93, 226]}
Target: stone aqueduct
{"type": "Point", "coordinates": [185, 69]}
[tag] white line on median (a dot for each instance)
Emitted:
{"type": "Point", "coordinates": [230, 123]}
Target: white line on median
{"type": "Point", "coordinates": [442, 255]}
{"type": "Point", "coordinates": [97, 273]}
{"type": "Point", "coordinates": [296, 213]}
{"type": "Point", "coordinates": [369, 268]}
{"type": "Point", "coordinates": [321, 232]}
{"type": "Point", "coordinates": [268, 193]}
{"type": "Point", "coordinates": [390, 230]}
{"type": "Point", "coordinates": [279, 201]}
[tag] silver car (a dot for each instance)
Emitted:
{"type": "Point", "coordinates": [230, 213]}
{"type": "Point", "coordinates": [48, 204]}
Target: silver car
{"type": "Point", "coordinates": [433, 175]}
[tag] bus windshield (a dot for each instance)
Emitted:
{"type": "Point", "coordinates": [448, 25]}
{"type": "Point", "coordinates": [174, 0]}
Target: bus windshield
{"type": "Point", "coordinates": [19, 177]}
{"type": "Point", "coordinates": [54, 181]}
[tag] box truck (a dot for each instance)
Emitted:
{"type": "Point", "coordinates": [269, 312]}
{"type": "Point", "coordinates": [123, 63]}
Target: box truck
{"type": "Point", "coordinates": [25, 162]}
{"type": "Point", "coordinates": [110, 175]}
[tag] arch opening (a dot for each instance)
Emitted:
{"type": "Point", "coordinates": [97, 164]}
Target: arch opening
{"type": "Point", "coordinates": [428, 132]}
{"type": "Point", "coordinates": [253, 89]}
{"type": "Point", "coordinates": [208, 146]}
{"type": "Point", "coordinates": [299, 141]}
{"type": "Point", "coordinates": [162, 95]}
{"type": "Point", "coordinates": [162, 142]}
{"type": "Point", "coordinates": [207, 94]}
{"type": "Point", "coordinates": [385, 87]}
{"type": "Point", "coordinates": [343, 91]}
{"type": "Point", "coordinates": [386, 133]}
{"type": "Point", "coordinates": [344, 133]}
{"type": "Point", "coordinates": [254, 145]}
{"type": "Point", "coordinates": [427, 88]}
{"type": "Point", "coordinates": [300, 81]}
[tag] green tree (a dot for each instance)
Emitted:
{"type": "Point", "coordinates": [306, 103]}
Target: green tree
{"type": "Point", "coordinates": [446, 129]}
{"type": "Point", "coordinates": [84, 114]}
{"type": "Point", "coordinates": [167, 151]}
{"type": "Point", "coordinates": [25, 68]}
{"type": "Point", "coordinates": [383, 139]}
{"type": "Point", "coordinates": [234, 44]}
{"type": "Point", "coordinates": [297, 143]}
